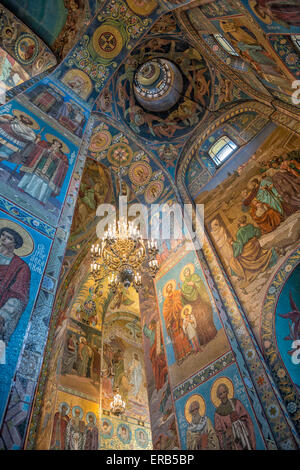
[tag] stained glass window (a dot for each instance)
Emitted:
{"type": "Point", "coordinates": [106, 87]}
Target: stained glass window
{"type": "Point", "coordinates": [222, 149]}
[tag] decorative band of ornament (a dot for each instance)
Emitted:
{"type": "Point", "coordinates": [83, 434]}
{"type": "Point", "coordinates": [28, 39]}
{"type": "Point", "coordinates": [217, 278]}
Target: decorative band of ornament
{"type": "Point", "coordinates": [203, 375]}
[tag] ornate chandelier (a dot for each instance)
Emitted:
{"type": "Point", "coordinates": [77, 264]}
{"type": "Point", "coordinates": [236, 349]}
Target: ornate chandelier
{"type": "Point", "coordinates": [123, 255]}
{"type": "Point", "coordinates": [123, 251]}
{"type": "Point", "coordinates": [117, 406]}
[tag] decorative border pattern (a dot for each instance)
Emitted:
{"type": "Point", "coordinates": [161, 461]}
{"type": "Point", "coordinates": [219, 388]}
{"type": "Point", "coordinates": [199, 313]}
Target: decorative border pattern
{"type": "Point", "coordinates": [270, 349]}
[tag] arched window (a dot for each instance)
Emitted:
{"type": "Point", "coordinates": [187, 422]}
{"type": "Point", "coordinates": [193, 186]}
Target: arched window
{"type": "Point", "coordinates": [222, 149]}
{"type": "Point", "coordinates": [225, 44]}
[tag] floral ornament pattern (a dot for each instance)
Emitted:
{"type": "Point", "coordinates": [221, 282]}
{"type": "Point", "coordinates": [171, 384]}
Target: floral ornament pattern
{"type": "Point", "coordinates": [284, 47]}
{"type": "Point", "coordinates": [270, 339]}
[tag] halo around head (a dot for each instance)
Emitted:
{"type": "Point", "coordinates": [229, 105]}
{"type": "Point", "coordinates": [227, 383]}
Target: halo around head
{"type": "Point", "coordinates": [186, 307]}
{"type": "Point", "coordinates": [213, 393]}
{"type": "Point", "coordinates": [28, 243]}
{"type": "Point", "coordinates": [173, 282]}
{"type": "Point", "coordinates": [50, 138]}
{"type": "Point", "coordinates": [90, 413]}
{"type": "Point", "coordinates": [64, 404]}
{"type": "Point", "coordinates": [189, 266]}
{"type": "Point", "coordinates": [19, 112]}
{"type": "Point", "coordinates": [202, 406]}
{"type": "Point", "coordinates": [77, 408]}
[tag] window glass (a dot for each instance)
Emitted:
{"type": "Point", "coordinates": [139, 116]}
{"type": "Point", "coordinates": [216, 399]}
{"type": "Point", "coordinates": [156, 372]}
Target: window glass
{"type": "Point", "coordinates": [222, 149]}
{"type": "Point", "coordinates": [225, 44]}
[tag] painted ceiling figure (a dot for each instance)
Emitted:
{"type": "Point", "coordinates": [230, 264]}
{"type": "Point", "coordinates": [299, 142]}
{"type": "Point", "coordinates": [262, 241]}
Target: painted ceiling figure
{"type": "Point", "coordinates": [194, 293]}
{"type": "Point", "coordinates": [233, 424]}
{"type": "Point", "coordinates": [14, 282]}
{"type": "Point", "coordinates": [265, 204]}
{"type": "Point", "coordinates": [61, 420]}
{"type": "Point", "coordinates": [200, 433]}
{"type": "Point", "coordinates": [157, 355]}
{"type": "Point", "coordinates": [286, 12]}
{"type": "Point", "coordinates": [250, 259]}
{"type": "Point", "coordinates": [17, 131]}
{"type": "Point", "coordinates": [172, 313]}
{"type": "Point", "coordinates": [75, 431]}
{"type": "Point", "coordinates": [285, 175]}
{"type": "Point", "coordinates": [44, 171]}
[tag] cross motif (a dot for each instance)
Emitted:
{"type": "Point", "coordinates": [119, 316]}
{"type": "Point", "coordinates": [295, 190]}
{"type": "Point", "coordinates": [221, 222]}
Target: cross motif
{"type": "Point", "coordinates": [107, 42]}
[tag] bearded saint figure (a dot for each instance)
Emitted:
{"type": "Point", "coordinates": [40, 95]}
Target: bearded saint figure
{"type": "Point", "coordinates": [195, 294]}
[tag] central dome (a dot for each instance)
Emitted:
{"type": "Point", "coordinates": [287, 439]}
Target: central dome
{"type": "Point", "coordinates": [158, 85]}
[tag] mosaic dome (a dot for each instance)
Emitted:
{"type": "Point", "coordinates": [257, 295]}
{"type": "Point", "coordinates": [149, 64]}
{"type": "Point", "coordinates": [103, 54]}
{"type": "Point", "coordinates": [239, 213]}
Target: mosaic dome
{"type": "Point", "coordinates": [158, 85]}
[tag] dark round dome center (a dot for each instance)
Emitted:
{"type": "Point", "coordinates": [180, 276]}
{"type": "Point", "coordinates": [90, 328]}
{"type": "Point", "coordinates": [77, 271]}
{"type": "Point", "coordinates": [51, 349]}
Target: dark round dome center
{"type": "Point", "coordinates": [158, 85]}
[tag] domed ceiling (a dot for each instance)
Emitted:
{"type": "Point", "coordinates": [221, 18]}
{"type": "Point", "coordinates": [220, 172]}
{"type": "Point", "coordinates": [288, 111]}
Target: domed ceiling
{"type": "Point", "coordinates": [165, 89]}
{"type": "Point", "coordinates": [171, 104]}
{"type": "Point", "coordinates": [57, 22]}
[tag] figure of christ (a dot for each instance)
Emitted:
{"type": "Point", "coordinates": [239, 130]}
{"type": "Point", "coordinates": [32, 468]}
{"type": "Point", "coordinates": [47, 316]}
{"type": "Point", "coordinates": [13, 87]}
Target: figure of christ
{"type": "Point", "coordinates": [190, 328]}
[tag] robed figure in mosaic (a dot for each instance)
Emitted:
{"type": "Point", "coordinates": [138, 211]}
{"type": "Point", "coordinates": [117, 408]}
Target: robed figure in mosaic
{"type": "Point", "coordinates": [157, 355]}
{"type": "Point", "coordinates": [200, 434]}
{"type": "Point", "coordinates": [195, 294]}
{"type": "Point", "coordinates": [45, 169]}
{"type": "Point", "coordinates": [14, 276]}
{"type": "Point", "coordinates": [16, 133]}
{"type": "Point", "coordinates": [233, 424]}
{"type": "Point", "coordinates": [91, 433]}
{"type": "Point", "coordinates": [61, 420]}
{"type": "Point", "coordinates": [172, 314]}
{"type": "Point", "coordinates": [76, 431]}
{"type": "Point", "coordinates": [286, 13]}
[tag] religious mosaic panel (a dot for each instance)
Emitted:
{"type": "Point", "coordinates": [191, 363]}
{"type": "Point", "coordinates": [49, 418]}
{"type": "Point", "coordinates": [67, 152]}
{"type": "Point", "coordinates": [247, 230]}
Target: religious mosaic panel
{"type": "Point", "coordinates": [162, 416]}
{"type": "Point", "coordinates": [124, 434]}
{"type": "Point", "coordinates": [275, 16]}
{"type": "Point", "coordinates": [23, 255]}
{"type": "Point", "coordinates": [193, 333]}
{"type": "Point", "coordinates": [123, 364]}
{"type": "Point", "coordinates": [36, 162]}
{"type": "Point", "coordinates": [217, 415]}
{"type": "Point", "coordinates": [280, 332]}
{"type": "Point", "coordinates": [252, 216]}
{"type": "Point", "coordinates": [69, 423]}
